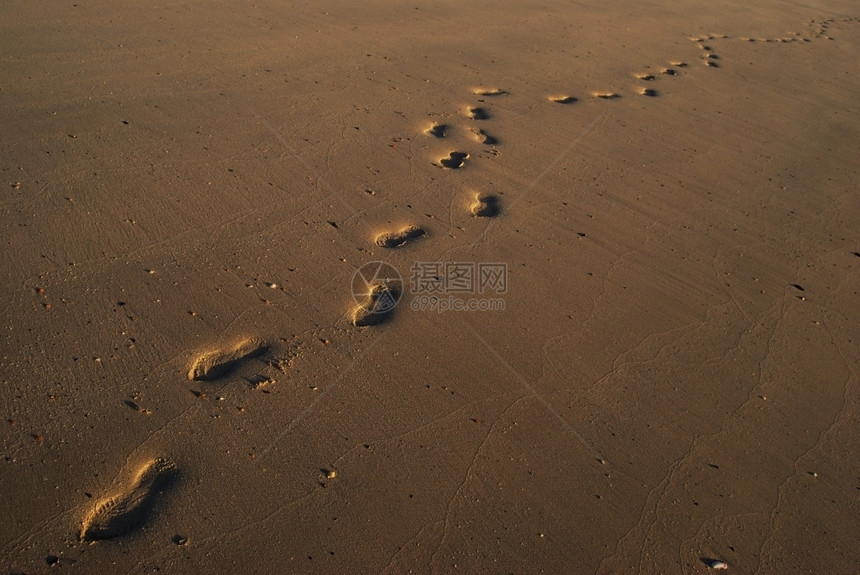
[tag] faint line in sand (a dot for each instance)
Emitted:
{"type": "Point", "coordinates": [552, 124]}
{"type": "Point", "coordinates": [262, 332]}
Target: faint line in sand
{"type": "Point", "coordinates": [534, 394]}
{"type": "Point", "coordinates": [311, 169]}
{"type": "Point", "coordinates": [319, 397]}
{"type": "Point", "coordinates": [590, 128]}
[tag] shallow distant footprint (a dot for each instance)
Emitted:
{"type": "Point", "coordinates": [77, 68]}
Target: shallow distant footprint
{"type": "Point", "coordinates": [606, 95]}
{"type": "Point", "coordinates": [214, 364]}
{"type": "Point", "coordinates": [130, 504]}
{"type": "Point", "coordinates": [399, 238]}
{"type": "Point", "coordinates": [485, 206]}
{"type": "Point", "coordinates": [489, 92]}
{"type": "Point", "coordinates": [377, 305]}
{"type": "Point", "coordinates": [562, 99]}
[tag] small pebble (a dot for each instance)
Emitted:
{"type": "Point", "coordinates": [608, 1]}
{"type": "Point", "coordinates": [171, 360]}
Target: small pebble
{"type": "Point", "coordinates": [179, 540]}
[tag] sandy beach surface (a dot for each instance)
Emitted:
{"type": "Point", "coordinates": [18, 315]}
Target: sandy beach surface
{"type": "Point", "coordinates": [429, 287]}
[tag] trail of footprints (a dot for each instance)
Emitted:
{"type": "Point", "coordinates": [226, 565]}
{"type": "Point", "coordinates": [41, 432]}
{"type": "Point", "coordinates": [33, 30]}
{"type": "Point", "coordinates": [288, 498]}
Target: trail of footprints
{"type": "Point", "coordinates": [381, 296]}
{"type": "Point", "coordinates": [375, 309]}
{"type": "Point", "coordinates": [130, 501]}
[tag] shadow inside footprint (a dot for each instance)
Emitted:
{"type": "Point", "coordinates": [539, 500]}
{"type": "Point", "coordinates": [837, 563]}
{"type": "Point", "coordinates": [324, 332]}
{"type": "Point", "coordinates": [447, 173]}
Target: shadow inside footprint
{"type": "Point", "coordinates": [218, 363]}
{"type": "Point", "coordinates": [478, 114]}
{"type": "Point", "coordinates": [484, 138]}
{"type": "Point", "coordinates": [437, 130]}
{"type": "Point", "coordinates": [397, 239]}
{"type": "Point", "coordinates": [377, 305]}
{"type": "Point", "coordinates": [486, 206]}
{"type": "Point", "coordinates": [454, 160]}
{"type": "Point", "coordinates": [130, 505]}
{"type": "Point", "coordinates": [649, 92]}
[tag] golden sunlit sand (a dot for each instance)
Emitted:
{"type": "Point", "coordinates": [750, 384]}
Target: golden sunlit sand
{"type": "Point", "coordinates": [429, 287]}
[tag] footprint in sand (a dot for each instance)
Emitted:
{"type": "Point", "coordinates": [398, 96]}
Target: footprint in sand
{"type": "Point", "coordinates": [478, 114]}
{"type": "Point", "coordinates": [454, 160]}
{"type": "Point", "coordinates": [606, 95]}
{"type": "Point", "coordinates": [377, 305]}
{"type": "Point", "coordinates": [562, 99]}
{"type": "Point", "coordinates": [437, 130]}
{"type": "Point", "coordinates": [399, 238]}
{"type": "Point", "coordinates": [214, 364]}
{"type": "Point", "coordinates": [484, 138]}
{"type": "Point", "coordinates": [672, 70]}
{"type": "Point", "coordinates": [485, 206]}
{"type": "Point", "coordinates": [708, 56]}
{"type": "Point", "coordinates": [489, 92]}
{"type": "Point", "coordinates": [130, 504]}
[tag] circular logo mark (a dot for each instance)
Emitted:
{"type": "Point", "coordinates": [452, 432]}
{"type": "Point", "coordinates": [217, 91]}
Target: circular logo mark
{"type": "Point", "coordinates": [377, 285]}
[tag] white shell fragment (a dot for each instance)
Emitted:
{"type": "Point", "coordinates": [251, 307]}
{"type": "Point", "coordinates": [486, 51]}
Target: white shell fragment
{"type": "Point", "coordinates": [717, 564]}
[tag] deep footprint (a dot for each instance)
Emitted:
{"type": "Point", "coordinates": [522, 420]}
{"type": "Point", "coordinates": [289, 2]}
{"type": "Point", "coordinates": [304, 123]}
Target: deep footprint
{"type": "Point", "coordinates": [478, 114]}
{"type": "Point", "coordinates": [397, 239]}
{"type": "Point", "coordinates": [129, 506]}
{"type": "Point", "coordinates": [218, 363]}
{"type": "Point", "coordinates": [377, 305]}
{"type": "Point", "coordinates": [485, 206]}
{"type": "Point", "coordinates": [454, 160]}
{"type": "Point", "coordinates": [437, 130]}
